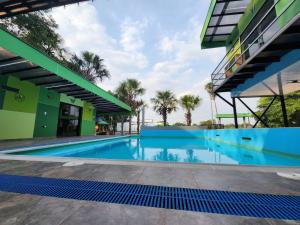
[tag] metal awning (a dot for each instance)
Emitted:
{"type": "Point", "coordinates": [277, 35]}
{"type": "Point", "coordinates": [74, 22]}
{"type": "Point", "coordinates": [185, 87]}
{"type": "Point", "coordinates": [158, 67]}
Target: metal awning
{"type": "Point", "coordinates": [29, 64]}
{"type": "Point", "coordinates": [223, 16]}
{"type": "Point", "coordinates": [9, 8]}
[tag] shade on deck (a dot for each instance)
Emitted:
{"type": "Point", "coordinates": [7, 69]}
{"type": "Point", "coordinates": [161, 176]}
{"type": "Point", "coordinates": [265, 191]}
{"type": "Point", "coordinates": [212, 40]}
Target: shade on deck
{"type": "Point", "coordinates": [9, 8]}
{"type": "Point", "coordinates": [29, 64]}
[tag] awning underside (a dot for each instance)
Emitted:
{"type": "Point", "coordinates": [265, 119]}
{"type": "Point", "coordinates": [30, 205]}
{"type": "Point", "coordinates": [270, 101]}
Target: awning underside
{"type": "Point", "coordinates": [285, 82]}
{"type": "Point", "coordinates": [26, 71]}
{"type": "Point", "coordinates": [224, 18]}
{"type": "Point", "coordinates": [9, 8]}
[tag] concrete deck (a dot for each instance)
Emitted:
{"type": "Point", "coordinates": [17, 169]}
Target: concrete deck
{"type": "Point", "coordinates": [28, 209]}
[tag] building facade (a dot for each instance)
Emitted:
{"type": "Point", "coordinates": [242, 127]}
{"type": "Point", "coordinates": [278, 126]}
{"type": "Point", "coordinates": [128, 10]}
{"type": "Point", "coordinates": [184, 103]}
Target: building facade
{"type": "Point", "coordinates": [262, 41]}
{"type": "Point", "coordinates": [39, 97]}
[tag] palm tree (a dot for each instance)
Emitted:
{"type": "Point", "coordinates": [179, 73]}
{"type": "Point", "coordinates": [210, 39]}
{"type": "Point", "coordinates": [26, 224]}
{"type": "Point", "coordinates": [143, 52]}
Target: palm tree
{"type": "Point", "coordinates": [129, 91]}
{"type": "Point", "coordinates": [90, 66]}
{"type": "Point", "coordinates": [189, 103]}
{"type": "Point", "coordinates": [164, 102]}
{"type": "Point", "coordinates": [212, 95]}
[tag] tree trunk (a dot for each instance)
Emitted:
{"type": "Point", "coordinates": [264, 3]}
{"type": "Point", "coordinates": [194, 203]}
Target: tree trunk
{"type": "Point", "coordinates": [130, 120]}
{"type": "Point", "coordinates": [138, 121]}
{"type": "Point", "coordinates": [215, 106]}
{"type": "Point", "coordinates": [122, 127]}
{"type": "Point", "coordinates": [188, 116]}
{"type": "Point", "coordinates": [165, 118]}
{"type": "Point", "coordinates": [212, 110]}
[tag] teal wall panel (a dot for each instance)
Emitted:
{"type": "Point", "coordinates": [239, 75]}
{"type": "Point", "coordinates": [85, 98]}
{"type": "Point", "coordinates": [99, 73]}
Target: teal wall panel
{"type": "Point", "coordinates": [46, 121]}
{"type": "Point", "coordinates": [283, 141]}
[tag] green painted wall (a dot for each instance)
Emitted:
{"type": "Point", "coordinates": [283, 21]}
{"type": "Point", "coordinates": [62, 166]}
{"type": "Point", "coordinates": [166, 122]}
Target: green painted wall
{"type": "Point", "coordinates": [87, 128]}
{"type": "Point", "coordinates": [17, 125]}
{"type": "Point", "coordinates": [3, 81]}
{"type": "Point", "coordinates": [70, 100]}
{"type": "Point", "coordinates": [47, 113]}
{"type": "Point", "coordinates": [18, 109]}
{"type": "Point", "coordinates": [49, 97]}
{"type": "Point", "coordinates": [46, 121]}
{"type": "Point", "coordinates": [24, 101]}
{"type": "Point", "coordinates": [293, 10]}
{"type": "Point", "coordinates": [250, 12]}
{"type": "Point", "coordinates": [88, 111]}
{"type": "Point", "coordinates": [88, 120]}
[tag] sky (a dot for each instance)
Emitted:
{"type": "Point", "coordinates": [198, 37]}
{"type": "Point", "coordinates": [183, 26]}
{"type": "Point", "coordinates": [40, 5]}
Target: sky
{"type": "Point", "coordinates": [156, 42]}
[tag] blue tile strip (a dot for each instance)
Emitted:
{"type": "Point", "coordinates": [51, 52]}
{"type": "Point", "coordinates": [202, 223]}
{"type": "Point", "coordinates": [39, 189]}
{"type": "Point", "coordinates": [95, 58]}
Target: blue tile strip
{"type": "Point", "coordinates": [197, 200]}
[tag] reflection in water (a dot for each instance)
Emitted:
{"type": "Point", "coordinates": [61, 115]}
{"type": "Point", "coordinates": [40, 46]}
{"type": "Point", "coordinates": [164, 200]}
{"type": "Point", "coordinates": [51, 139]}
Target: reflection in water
{"type": "Point", "coordinates": [166, 149]}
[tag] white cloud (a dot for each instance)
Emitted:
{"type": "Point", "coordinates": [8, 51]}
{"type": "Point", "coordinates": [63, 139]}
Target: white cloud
{"type": "Point", "coordinates": [87, 32]}
{"type": "Point", "coordinates": [132, 31]}
{"type": "Point", "coordinates": [180, 66]}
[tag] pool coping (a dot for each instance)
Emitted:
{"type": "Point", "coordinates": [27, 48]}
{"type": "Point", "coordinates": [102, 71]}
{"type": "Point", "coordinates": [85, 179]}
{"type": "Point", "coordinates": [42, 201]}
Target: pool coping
{"type": "Point", "coordinates": [42, 146]}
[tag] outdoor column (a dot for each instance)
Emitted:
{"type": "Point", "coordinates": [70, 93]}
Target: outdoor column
{"type": "Point", "coordinates": [235, 113]}
{"type": "Point", "coordinates": [281, 99]}
{"type": "Point", "coordinates": [284, 113]}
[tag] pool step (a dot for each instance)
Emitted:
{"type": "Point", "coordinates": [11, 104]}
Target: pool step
{"type": "Point", "coordinates": [197, 200]}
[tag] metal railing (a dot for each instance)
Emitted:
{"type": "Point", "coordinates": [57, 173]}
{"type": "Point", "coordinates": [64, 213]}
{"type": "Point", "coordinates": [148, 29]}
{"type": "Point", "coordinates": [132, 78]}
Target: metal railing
{"type": "Point", "coordinates": [225, 68]}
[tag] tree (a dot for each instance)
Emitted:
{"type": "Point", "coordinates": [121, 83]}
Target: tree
{"type": "Point", "coordinates": [179, 124]}
{"type": "Point", "coordinates": [207, 123]}
{"type": "Point", "coordinates": [39, 30]}
{"type": "Point", "coordinates": [165, 103]}
{"type": "Point", "coordinates": [212, 95]}
{"type": "Point", "coordinates": [140, 105]}
{"type": "Point", "coordinates": [189, 103]}
{"type": "Point", "coordinates": [129, 91]}
{"type": "Point", "coordinates": [90, 65]}
{"type": "Point", "coordinates": [274, 116]}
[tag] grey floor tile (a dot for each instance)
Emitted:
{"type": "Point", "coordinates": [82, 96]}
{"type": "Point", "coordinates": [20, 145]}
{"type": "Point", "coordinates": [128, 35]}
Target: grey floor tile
{"type": "Point", "coordinates": [51, 211]}
{"type": "Point", "coordinates": [96, 214]}
{"type": "Point", "coordinates": [168, 177]}
{"type": "Point", "coordinates": [13, 211]}
{"type": "Point", "coordinates": [190, 218]}
{"type": "Point", "coordinates": [283, 222]}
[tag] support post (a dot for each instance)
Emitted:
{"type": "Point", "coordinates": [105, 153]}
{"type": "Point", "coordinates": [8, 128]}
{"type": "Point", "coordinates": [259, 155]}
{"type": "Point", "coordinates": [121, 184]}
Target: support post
{"type": "Point", "coordinates": [235, 113]}
{"type": "Point", "coordinates": [284, 112]}
{"type": "Point", "coordinates": [281, 99]}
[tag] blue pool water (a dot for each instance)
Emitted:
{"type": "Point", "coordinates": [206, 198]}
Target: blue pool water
{"type": "Point", "coordinates": [190, 150]}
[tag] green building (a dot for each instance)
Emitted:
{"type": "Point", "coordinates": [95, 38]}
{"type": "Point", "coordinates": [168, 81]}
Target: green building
{"type": "Point", "coordinates": [262, 41]}
{"type": "Point", "coordinates": [39, 97]}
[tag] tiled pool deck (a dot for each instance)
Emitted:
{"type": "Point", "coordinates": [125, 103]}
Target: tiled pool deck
{"type": "Point", "coordinates": [28, 209]}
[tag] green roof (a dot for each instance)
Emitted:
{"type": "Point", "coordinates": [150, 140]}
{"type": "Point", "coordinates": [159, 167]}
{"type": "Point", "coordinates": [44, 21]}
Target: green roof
{"type": "Point", "coordinates": [239, 115]}
{"type": "Point", "coordinates": [18, 58]}
{"type": "Point", "coordinates": [221, 20]}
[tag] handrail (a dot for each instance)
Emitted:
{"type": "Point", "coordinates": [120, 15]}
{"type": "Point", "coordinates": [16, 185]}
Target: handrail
{"type": "Point", "coordinates": [256, 26]}
{"type": "Point", "coordinates": [217, 76]}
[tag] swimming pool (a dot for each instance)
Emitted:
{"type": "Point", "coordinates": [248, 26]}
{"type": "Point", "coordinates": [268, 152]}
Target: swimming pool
{"type": "Point", "coordinates": [189, 150]}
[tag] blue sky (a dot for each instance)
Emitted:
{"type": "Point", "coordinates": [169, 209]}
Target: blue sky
{"type": "Point", "coordinates": [156, 42]}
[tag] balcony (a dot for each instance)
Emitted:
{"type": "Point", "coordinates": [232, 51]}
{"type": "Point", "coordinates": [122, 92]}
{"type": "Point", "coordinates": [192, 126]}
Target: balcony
{"type": "Point", "coordinates": [269, 36]}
